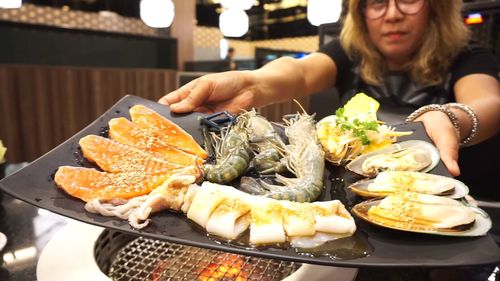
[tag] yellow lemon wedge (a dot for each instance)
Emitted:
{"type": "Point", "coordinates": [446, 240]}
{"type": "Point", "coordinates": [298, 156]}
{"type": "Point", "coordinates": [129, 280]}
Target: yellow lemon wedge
{"type": "Point", "coordinates": [2, 152]}
{"type": "Point", "coordinates": [361, 107]}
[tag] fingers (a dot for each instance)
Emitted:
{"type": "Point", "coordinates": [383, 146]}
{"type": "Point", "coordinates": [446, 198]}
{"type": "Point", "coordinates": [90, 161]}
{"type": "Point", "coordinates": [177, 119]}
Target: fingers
{"type": "Point", "coordinates": [166, 99]}
{"type": "Point", "coordinates": [446, 142]}
{"type": "Point", "coordinates": [175, 96]}
{"type": "Point", "coordinates": [444, 136]}
{"type": "Point", "coordinates": [449, 156]}
{"type": "Point", "coordinates": [194, 98]}
{"type": "Point", "coordinates": [189, 97]}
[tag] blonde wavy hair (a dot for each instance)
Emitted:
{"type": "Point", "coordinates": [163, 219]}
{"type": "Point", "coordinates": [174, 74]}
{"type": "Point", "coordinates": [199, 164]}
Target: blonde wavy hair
{"type": "Point", "coordinates": [445, 36]}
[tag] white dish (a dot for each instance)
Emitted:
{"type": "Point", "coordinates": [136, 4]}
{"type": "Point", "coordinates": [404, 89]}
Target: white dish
{"type": "Point", "coordinates": [64, 259]}
{"type": "Point", "coordinates": [3, 241]}
{"type": "Point", "coordinates": [312, 272]}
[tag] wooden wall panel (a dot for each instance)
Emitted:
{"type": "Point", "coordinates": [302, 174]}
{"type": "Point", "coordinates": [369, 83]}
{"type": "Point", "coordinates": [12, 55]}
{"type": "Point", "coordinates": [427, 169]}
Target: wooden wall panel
{"type": "Point", "coordinates": [10, 118]}
{"type": "Point", "coordinates": [275, 112]}
{"type": "Point", "coordinates": [41, 106]}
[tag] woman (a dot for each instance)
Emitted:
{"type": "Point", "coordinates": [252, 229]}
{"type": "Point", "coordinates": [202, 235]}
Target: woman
{"type": "Point", "coordinates": [408, 53]}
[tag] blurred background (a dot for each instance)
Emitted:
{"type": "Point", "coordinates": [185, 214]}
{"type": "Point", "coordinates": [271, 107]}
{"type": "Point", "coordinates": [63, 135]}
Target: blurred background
{"type": "Point", "coordinates": [64, 62]}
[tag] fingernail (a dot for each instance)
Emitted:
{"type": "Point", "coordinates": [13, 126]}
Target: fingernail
{"type": "Point", "coordinates": [163, 101]}
{"type": "Point", "coordinates": [183, 105]}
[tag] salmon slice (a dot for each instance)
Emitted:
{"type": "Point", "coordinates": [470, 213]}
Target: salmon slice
{"type": "Point", "coordinates": [166, 130]}
{"type": "Point", "coordinates": [126, 132]}
{"type": "Point", "coordinates": [87, 184]}
{"type": "Point", "coordinates": [114, 157]}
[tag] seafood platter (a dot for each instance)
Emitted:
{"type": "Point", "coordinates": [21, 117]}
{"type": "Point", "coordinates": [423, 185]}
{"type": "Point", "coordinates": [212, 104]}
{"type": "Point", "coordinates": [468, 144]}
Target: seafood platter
{"type": "Point", "coordinates": [244, 185]}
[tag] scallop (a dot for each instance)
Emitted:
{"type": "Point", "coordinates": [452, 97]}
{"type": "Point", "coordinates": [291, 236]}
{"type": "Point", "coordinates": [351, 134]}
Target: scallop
{"type": "Point", "coordinates": [390, 182]}
{"type": "Point", "coordinates": [424, 213]}
{"type": "Point", "coordinates": [412, 155]}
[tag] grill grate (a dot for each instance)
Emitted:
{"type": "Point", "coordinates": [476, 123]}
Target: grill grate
{"type": "Point", "coordinates": [148, 259]}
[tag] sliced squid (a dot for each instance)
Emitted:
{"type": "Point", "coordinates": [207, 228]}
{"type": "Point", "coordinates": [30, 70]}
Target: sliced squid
{"type": "Point", "coordinates": [267, 222]}
{"type": "Point", "coordinates": [227, 212]}
{"type": "Point", "coordinates": [298, 221]}
{"type": "Point", "coordinates": [204, 203]}
{"type": "Point", "coordinates": [229, 219]}
{"type": "Point", "coordinates": [332, 217]}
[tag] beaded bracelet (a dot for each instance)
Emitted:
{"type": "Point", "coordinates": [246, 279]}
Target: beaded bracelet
{"type": "Point", "coordinates": [436, 107]}
{"type": "Point", "coordinates": [473, 118]}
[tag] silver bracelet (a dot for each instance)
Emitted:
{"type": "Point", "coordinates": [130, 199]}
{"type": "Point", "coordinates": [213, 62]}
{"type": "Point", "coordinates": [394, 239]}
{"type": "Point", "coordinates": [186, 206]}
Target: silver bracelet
{"type": "Point", "coordinates": [436, 107]}
{"type": "Point", "coordinates": [473, 118]}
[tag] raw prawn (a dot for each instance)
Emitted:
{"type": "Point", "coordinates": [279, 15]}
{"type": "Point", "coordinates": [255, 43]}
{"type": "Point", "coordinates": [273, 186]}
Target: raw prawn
{"type": "Point", "coordinates": [266, 144]}
{"type": "Point", "coordinates": [305, 158]}
{"type": "Point", "coordinates": [231, 154]}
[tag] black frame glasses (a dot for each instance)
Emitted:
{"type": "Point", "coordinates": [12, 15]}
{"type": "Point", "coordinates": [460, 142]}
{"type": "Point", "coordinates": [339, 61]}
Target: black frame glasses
{"type": "Point", "coordinates": [375, 9]}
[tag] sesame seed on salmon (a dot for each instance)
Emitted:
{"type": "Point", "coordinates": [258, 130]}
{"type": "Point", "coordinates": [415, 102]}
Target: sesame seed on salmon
{"type": "Point", "coordinates": [128, 133]}
{"type": "Point", "coordinates": [166, 130]}
{"type": "Point", "coordinates": [87, 183]}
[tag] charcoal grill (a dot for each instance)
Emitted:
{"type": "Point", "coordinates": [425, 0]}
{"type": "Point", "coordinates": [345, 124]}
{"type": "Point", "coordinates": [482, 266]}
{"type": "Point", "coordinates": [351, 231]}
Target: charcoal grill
{"type": "Point", "coordinates": [149, 259]}
{"type": "Point", "coordinates": [120, 256]}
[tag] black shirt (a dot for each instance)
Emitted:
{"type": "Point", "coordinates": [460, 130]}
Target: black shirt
{"type": "Point", "coordinates": [398, 89]}
{"type": "Point", "coordinates": [399, 96]}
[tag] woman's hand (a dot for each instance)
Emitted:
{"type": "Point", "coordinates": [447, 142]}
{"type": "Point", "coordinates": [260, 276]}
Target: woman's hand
{"type": "Point", "coordinates": [232, 91]}
{"type": "Point", "coordinates": [441, 131]}
{"type": "Point", "coordinates": [278, 81]}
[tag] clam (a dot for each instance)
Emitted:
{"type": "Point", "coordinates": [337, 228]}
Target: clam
{"type": "Point", "coordinates": [423, 213]}
{"type": "Point", "coordinates": [389, 182]}
{"type": "Point", "coordinates": [412, 155]}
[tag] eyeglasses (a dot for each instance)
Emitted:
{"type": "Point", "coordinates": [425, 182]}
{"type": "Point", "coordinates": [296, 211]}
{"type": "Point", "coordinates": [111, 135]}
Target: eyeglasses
{"type": "Point", "coordinates": [374, 9]}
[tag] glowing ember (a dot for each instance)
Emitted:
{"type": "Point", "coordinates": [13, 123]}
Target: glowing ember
{"type": "Point", "coordinates": [225, 267]}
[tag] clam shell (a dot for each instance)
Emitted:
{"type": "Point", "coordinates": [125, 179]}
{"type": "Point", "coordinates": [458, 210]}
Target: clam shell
{"type": "Point", "coordinates": [355, 165]}
{"type": "Point", "coordinates": [361, 188]}
{"type": "Point", "coordinates": [480, 227]}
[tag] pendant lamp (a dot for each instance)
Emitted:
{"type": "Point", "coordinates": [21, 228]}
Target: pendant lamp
{"type": "Point", "coordinates": [157, 13]}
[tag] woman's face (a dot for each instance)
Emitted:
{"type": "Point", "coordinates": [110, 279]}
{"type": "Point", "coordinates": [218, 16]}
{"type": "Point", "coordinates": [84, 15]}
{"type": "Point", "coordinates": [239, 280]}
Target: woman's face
{"type": "Point", "coordinates": [395, 34]}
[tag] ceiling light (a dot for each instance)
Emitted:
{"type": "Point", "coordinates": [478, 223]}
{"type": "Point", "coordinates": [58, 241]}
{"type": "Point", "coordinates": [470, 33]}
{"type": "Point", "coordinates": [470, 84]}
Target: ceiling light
{"type": "Point", "coordinates": [11, 4]}
{"type": "Point", "coordinates": [237, 4]}
{"type": "Point", "coordinates": [233, 23]}
{"type": "Point", "coordinates": [157, 13]}
{"type": "Point", "coordinates": [223, 47]}
{"type": "Point", "coordinates": [475, 18]}
{"type": "Point", "coordinates": [107, 14]}
{"type": "Point", "coordinates": [323, 11]}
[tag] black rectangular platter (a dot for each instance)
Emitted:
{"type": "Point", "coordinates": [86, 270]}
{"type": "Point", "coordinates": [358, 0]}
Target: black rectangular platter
{"type": "Point", "coordinates": [386, 248]}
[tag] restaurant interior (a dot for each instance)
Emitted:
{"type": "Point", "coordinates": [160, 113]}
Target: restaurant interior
{"type": "Point", "coordinates": [66, 65]}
